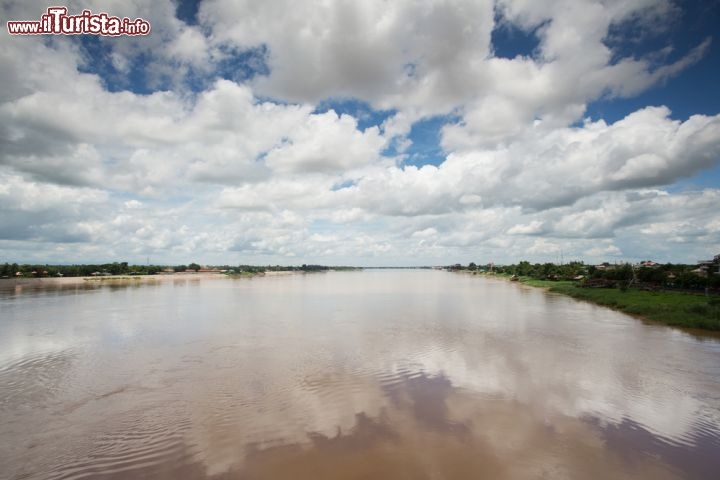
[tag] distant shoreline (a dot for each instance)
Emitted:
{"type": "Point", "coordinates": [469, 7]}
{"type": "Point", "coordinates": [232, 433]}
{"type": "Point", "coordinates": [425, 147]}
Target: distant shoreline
{"type": "Point", "coordinates": [162, 277]}
{"type": "Point", "coordinates": [105, 279]}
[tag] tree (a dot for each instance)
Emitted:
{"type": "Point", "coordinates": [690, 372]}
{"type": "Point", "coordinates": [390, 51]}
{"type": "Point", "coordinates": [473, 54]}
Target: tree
{"type": "Point", "coordinates": [524, 268]}
{"type": "Point", "coordinates": [651, 275]}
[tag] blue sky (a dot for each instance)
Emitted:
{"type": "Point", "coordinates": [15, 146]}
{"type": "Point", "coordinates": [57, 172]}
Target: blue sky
{"type": "Point", "coordinates": [410, 133]}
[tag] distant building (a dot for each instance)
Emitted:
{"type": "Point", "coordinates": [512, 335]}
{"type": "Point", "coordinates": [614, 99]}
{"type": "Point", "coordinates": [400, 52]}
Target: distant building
{"type": "Point", "coordinates": [209, 270]}
{"type": "Point", "coordinates": [711, 267]}
{"type": "Point", "coordinates": [700, 271]}
{"type": "Point", "coordinates": [605, 266]}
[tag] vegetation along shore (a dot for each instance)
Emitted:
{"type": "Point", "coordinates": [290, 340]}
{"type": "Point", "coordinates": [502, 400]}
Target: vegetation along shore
{"type": "Point", "coordinates": [679, 295]}
{"type": "Point", "coordinates": [681, 309]}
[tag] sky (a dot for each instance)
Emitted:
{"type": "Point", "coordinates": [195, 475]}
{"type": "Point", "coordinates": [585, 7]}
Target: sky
{"type": "Point", "coordinates": [373, 133]}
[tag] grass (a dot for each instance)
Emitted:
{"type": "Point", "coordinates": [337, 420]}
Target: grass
{"type": "Point", "coordinates": [671, 308]}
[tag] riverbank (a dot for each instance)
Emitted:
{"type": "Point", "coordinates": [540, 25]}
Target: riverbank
{"type": "Point", "coordinates": [670, 308]}
{"type": "Point", "coordinates": [110, 279]}
{"type": "Point", "coordinates": [132, 279]}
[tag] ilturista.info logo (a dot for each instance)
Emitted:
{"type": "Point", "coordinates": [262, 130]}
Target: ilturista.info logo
{"type": "Point", "coordinates": [57, 22]}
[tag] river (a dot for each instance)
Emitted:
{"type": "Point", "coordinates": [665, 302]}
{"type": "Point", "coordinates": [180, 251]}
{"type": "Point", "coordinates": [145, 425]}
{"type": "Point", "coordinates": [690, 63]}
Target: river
{"type": "Point", "coordinates": [382, 374]}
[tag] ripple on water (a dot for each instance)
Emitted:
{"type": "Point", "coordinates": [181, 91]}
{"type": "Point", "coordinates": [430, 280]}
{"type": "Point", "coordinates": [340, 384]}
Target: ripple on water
{"type": "Point", "coordinates": [34, 379]}
{"type": "Point", "coordinates": [694, 452]}
{"type": "Point", "coordinates": [138, 444]}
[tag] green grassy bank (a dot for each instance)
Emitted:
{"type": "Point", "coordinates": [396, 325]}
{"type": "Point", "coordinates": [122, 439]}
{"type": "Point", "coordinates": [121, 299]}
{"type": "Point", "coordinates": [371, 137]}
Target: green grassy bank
{"type": "Point", "coordinates": [671, 308]}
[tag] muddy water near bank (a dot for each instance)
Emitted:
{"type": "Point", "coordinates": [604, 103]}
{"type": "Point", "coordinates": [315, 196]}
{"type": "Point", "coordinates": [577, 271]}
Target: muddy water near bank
{"type": "Point", "coordinates": [376, 374]}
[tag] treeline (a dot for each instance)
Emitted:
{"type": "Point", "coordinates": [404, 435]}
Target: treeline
{"type": "Point", "coordinates": [286, 268]}
{"type": "Point", "coordinates": [671, 276]}
{"type": "Point", "coordinates": [8, 270]}
{"type": "Point", "coordinates": [13, 270]}
{"type": "Point", "coordinates": [542, 271]}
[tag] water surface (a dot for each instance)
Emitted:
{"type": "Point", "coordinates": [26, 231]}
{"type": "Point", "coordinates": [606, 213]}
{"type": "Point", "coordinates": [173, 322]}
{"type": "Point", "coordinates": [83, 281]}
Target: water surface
{"type": "Point", "coordinates": [375, 374]}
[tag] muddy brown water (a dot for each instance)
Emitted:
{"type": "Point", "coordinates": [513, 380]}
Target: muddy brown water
{"type": "Point", "coordinates": [399, 374]}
